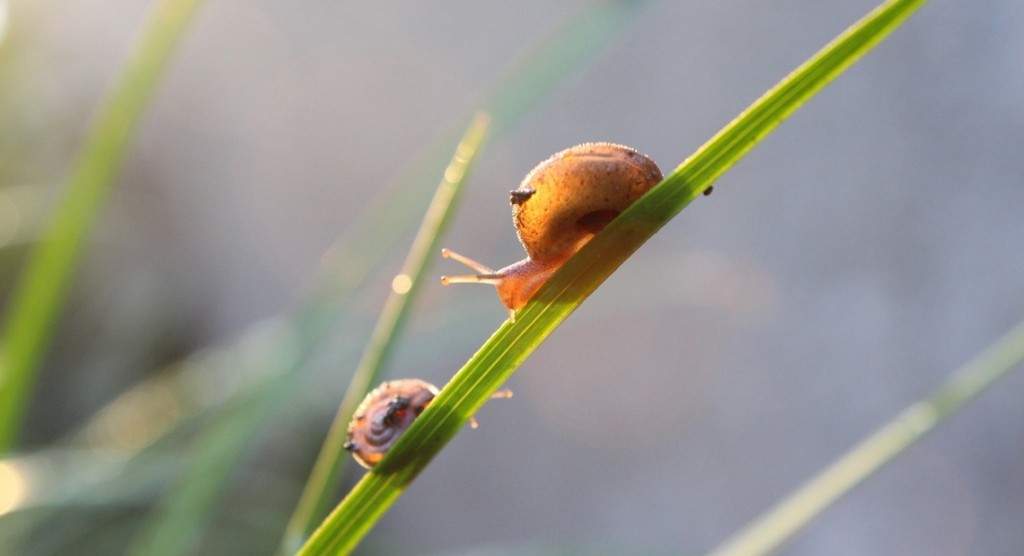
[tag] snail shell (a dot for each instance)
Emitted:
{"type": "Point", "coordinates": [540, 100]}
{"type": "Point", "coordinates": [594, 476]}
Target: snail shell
{"type": "Point", "coordinates": [575, 193]}
{"type": "Point", "coordinates": [558, 208]}
{"type": "Point", "coordinates": [386, 412]}
{"type": "Point", "coordinates": [383, 416]}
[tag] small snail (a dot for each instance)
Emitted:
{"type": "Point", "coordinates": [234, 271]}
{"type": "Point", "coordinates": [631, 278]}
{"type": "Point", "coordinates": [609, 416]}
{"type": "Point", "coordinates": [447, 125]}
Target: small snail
{"type": "Point", "coordinates": [386, 412]}
{"type": "Point", "coordinates": [557, 208]}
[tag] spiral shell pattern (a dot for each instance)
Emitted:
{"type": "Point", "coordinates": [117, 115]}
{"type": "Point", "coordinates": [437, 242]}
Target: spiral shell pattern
{"type": "Point", "coordinates": [383, 416]}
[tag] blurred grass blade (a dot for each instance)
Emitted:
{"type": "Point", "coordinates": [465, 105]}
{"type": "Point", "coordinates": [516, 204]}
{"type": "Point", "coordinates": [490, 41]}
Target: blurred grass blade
{"type": "Point", "coordinates": [769, 532]}
{"type": "Point", "coordinates": [44, 281]}
{"type": "Point", "coordinates": [320, 486]}
{"type": "Point", "coordinates": [562, 52]}
{"type": "Point", "coordinates": [512, 343]}
{"type": "Point", "coordinates": [176, 527]}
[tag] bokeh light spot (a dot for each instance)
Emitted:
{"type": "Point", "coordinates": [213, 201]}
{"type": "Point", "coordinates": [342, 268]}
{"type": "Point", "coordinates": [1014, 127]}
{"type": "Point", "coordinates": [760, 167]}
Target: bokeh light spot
{"type": "Point", "coordinates": [401, 284]}
{"type": "Point", "coordinates": [12, 487]}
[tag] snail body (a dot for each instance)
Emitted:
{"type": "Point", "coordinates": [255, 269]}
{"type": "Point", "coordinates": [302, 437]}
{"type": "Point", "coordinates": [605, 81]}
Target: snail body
{"type": "Point", "coordinates": [559, 206]}
{"type": "Point", "coordinates": [386, 412]}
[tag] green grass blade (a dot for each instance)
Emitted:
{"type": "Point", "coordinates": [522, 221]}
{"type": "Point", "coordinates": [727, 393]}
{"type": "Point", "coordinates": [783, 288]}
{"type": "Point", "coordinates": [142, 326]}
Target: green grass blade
{"type": "Point", "coordinates": [512, 343]}
{"type": "Point", "coordinates": [779, 524]}
{"type": "Point", "coordinates": [319, 488]}
{"type": "Point", "coordinates": [44, 282]}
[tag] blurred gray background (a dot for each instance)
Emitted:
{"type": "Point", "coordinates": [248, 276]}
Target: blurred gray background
{"type": "Point", "coordinates": [840, 272]}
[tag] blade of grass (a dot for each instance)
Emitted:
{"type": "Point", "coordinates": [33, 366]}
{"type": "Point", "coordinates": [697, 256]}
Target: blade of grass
{"type": "Point", "coordinates": [512, 343]}
{"type": "Point", "coordinates": [774, 528]}
{"type": "Point", "coordinates": [319, 487]}
{"type": "Point", "coordinates": [44, 281]}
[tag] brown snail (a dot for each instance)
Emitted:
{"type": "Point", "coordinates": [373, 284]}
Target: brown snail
{"type": "Point", "coordinates": [558, 207]}
{"type": "Point", "coordinates": [386, 412]}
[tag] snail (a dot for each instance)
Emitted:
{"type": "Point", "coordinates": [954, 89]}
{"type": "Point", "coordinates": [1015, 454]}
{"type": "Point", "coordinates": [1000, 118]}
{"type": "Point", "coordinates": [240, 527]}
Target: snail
{"type": "Point", "coordinates": [386, 412]}
{"type": "Point", "coordinates": [558, 207]}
